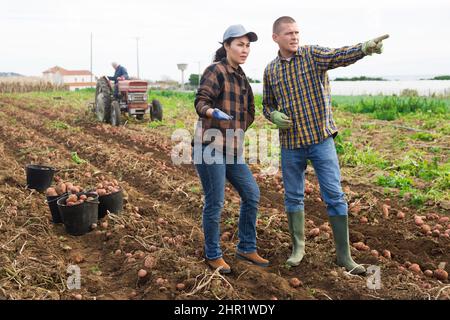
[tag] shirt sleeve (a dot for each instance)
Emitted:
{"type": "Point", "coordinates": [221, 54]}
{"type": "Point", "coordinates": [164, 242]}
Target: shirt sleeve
{"type": "Point", "coordinates": [269, 103]}
{"type": "Point", "coordinates": [251, 106]}
{"type": "Point", "coordinates": [211, 85]}
{"type": "Point", "coordinates": [327, 58]}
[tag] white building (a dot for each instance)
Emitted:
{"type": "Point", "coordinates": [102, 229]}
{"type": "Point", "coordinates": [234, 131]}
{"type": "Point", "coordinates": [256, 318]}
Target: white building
{"type": "Point", "coordinates": [74, 79]}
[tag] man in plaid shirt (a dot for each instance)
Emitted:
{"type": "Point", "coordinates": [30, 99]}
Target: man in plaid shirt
{"type": "Point", "coordinates": [297, 99]}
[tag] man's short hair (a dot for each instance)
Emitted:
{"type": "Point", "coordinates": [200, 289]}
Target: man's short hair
{"type": "Point", "coordinates": [114, 64]}
{"type": "Point", "coordinates": [279, 21]}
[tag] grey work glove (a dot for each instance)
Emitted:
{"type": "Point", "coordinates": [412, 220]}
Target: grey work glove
{"type": "Point", "coordinates": [281, 120]}
{"type": "Point", "coordinates": [374, 45]}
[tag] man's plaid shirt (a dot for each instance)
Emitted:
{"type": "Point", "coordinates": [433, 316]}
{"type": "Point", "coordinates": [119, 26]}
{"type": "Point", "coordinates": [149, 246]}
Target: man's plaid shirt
{"type": "Point", "coordinates": [299, 87]}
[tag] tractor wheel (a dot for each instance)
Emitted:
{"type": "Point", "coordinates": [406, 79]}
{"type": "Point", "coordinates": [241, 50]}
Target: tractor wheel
{"type": "Point", "coordinates": [156, 111]}
{"type": "Point", "coordinates": [115, 114]}
{"type": "Point", "coordinates": [103, 100]}
{"type": "Point", "coordinates": [140, 117]}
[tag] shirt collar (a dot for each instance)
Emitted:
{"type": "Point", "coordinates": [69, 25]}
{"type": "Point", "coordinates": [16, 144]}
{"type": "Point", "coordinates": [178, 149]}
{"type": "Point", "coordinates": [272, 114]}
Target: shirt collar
{"type": "Point", "coordinates": [230, 69]}
{"type": "Point", "coordinates": [296, 54]}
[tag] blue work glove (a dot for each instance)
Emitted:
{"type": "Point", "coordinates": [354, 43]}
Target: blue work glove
{"type": "Point", "coordinates": [220, 115]}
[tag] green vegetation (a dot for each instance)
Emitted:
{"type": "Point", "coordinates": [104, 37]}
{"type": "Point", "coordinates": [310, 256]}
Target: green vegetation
{"type": "Point", "coordinates": [392, 107]}
{"type": "Point", "coordinates": [75, 158]}
{"type": "Point", "coordinates": [445, 77]}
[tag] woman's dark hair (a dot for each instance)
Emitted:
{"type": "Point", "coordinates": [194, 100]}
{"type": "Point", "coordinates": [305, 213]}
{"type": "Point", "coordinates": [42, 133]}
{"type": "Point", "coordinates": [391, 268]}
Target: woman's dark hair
{"type": "Point", "coordinates": [221, 52]}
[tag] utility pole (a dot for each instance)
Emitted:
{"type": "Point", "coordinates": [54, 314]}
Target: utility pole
{"type": "Point", "coordinates": [199, 74]}
{"type": "Point", "coordinates": [91, 58]}
{"type": "Point", "coordinates": [137, 55]}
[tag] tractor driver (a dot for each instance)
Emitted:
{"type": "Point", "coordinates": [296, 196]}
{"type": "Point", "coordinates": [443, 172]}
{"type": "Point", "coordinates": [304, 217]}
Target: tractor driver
{"type": "Point", "coordinates": [120, 74]}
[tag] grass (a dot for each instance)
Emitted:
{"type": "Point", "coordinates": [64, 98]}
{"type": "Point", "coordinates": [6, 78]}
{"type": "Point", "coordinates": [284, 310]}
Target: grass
{"type": "Point", "coordinates": [75, 158]}
{"type": "Point", "coordinates": [392, 107]}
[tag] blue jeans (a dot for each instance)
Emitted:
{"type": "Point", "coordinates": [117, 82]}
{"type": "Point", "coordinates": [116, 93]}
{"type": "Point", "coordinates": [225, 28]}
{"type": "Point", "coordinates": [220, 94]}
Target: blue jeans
{"type": "Point", "coordinates": [326, 165]}
{"type": "Point", "coordinates": [213, 178]}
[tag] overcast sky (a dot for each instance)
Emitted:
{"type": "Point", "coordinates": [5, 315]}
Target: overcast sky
{"type": "Point", "coordinates": [36, 35]}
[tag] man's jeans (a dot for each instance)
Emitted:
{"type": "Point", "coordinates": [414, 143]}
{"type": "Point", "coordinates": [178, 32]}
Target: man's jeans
{"type": "Point", "coordinates": [326, 165]}
{"type": "Point", "coordinates": [213, 181]}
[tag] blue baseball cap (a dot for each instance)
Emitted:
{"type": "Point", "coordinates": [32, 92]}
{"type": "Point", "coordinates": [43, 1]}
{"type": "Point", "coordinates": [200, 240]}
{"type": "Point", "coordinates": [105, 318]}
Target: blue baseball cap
{"type": "Point", "coordinates": [237, 31]}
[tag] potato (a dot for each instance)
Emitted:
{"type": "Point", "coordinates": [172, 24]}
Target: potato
{"type": "Point", "coordinates": [74, 190]}
{"type": "Point", "coordinates": [363, 220]}
{"type": "Point", "coordinates": [83, 197]}
{"type": "Point", "coordinates": [444, 220]}
{"type": "Point", "coordinates": [99, 186]}
{"type": "Point", "coordinates": [69, 185]}
{"type": "Point", "coordinates": [51, 192]}
{"type": "Point", "coordinates": [386, 211]}
{"type": "Point", "coordinates": [433, 216]}
{"type": "Point", "coordinates": [418, 221]}
{"type": "Point", "coordinates": [314, 232]}
{"type": "Point", "coordinates": [139, 254]}
{"type": "Point", "coordinates": [438, 227]}
{"type": "Point", "coordinates": [72, 198]}
{"type": "Point", "coordinates": [325, 227]}
{"type": "Point", "coordinates": [295, 282]}
{"type": "Point", "coordinates": [387, 254]}
{"type": "Point", "coordinates": [160, 281]}
{"type": "Point", "coordinates": [118, 252]}
{"type": "Point", "coordinates": [355, 209]}
{"type": "Point", "coordinates": [101, 192]}
{"type": "Point", "coordinates": [374, 253]}
{"type": "Point", "coordinates": [180, 286]}
{"type": "Point", "coordinates": [428, 273]}
{"type": "Point", "coordinates": [441, 274]}
{"type": "Point", "coordinates": [142, 273]}
{"type": "Point", "coordinates": [61, 188]}
{"type": "Point", "coordinates": [150, 262]}
{"type": "Point", "coordinates": [415, 268]}
{"type": "Point", "coordinates": [400, 215]}
{"type": "Point", "coordinates": [78, 296]}
{"type": "Point", "coordinates": [425, 228]}
{"type": "Point", "coordinates": [436, 233]}
{"type": "Point", "coordinates": [226, 236]}
{"type": "Point", "coordinates": [360, 246]}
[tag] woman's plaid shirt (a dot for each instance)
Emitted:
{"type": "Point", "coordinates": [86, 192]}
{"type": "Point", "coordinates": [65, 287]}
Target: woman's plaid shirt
{"type": "Point", "coordinates": [227, 89]}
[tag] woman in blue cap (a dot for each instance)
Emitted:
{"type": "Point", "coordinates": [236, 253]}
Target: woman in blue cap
{"type": "Point", "coordinates": [226, 108]}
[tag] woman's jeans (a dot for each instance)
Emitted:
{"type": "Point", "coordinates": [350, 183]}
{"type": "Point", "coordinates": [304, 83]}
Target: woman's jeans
{"type": "Point", "coordinates": [213, 177]}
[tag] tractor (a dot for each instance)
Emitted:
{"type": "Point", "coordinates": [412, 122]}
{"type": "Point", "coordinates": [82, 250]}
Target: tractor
{"type": "Point", "coordinates": [131, 98]}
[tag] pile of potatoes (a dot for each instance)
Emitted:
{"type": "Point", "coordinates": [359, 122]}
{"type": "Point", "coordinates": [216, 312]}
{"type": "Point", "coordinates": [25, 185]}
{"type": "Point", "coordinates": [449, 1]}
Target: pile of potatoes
{"type": "Point", "coordinates": [73, 199]}
{"type": "Point", "coordinates": [105, 187]}
{"type": "Point", "coordinates": [63, 187]}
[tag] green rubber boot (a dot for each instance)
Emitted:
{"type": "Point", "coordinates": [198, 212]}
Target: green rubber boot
{"type": "Point", "coordinates": [339, 224]}
{"type": "Point", "coordinates": [296, 221]}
